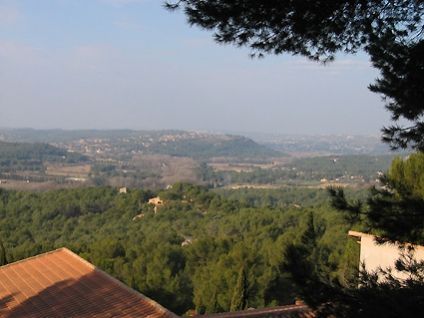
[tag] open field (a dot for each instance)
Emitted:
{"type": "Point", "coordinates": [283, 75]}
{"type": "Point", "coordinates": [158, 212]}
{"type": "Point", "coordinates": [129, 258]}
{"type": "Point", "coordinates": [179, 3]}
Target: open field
{"type": "Point", "coordinates": [240, 167]}
{"type": "Point", "coordinates": [310, 185]}
{"type": "Point", "coordinates": [36, 186]}
{"type": "Point", "coordinates": [246, 165]}
{"type": "Point", "coordinates": [76, 171]}
{"type": "Point", "coordinates": [171, 169]}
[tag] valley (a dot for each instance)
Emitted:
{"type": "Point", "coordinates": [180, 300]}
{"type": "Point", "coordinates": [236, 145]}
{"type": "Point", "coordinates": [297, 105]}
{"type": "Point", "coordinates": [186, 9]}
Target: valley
{"type": "Point", "coordinates": [50, 159]}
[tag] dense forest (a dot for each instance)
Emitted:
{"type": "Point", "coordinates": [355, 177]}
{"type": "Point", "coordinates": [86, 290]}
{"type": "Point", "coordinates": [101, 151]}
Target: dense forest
{"type": "Point", "coordinates": [190, 252]}
{"type": "Point", "coordinates": [32, 156]}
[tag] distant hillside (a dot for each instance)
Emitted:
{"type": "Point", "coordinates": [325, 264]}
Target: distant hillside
{"type": "Point", "coordinates": [206, 146]}
{"type": "Point", "coordinates": [324, 144]}
{"type": "Point", "coordinates": [28, 156]}
{"type": "Point", "coordinates": [123, 144]}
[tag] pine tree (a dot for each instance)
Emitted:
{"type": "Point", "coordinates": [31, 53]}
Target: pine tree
{"type": "Point", "coordinates": [309, 236]}
{"type": "Point", "coordinates": [3, 258]}
{"type": "Point", "coordinates": [395, 209]}
{"type": "Point", "coordinates": [239, 300]}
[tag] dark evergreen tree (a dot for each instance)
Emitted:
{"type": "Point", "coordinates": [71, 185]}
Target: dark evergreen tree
{"type": "Point", "coordinates": [239, 300]}
{"type": "Point", "coordinates": [309, 236]}
{"type": "Point", "coordinates": [395, 209]}
{"type": "Point", "coordinates": [3, 258]}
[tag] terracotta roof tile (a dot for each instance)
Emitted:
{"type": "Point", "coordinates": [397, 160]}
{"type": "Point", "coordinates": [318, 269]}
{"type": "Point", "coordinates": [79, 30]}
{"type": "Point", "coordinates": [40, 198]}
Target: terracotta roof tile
{"type": "Point", "coordinates": [62, 284]}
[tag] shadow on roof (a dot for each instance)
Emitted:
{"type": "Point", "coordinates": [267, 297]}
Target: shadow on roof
{"type": "Point", "coordinates": [87, 296]}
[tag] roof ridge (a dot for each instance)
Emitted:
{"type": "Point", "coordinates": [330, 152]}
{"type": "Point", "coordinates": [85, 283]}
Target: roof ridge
{"type": "Point", "coordinates": [36, 256]}
{"type": "Point", "coordinates": [117, 281]}
{"type": "Point", "coordinates": [133, 291]}
{"type": "Point", "coordinates": [82, 269]}
{"type": "Point", "coordinates": [95, 268]}
{"type": "Point", "coordinates": [79, 258]}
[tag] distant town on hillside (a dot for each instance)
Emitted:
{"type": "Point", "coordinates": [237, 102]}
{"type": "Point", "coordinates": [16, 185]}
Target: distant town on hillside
{"type": "Point", "coordinates": [46, 159]}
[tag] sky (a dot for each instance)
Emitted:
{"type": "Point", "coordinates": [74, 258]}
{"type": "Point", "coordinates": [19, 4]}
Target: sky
{"type": "Point", "coordinates": [107, 64]}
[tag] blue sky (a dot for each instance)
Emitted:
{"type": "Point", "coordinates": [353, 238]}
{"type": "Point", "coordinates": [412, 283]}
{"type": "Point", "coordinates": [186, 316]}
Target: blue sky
{"type": "Point", "coordinates": [132, 64]}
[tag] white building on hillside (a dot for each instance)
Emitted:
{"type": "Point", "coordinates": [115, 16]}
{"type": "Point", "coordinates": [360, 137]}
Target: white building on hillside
{"type": "Point", "coordinates": [375, 255]}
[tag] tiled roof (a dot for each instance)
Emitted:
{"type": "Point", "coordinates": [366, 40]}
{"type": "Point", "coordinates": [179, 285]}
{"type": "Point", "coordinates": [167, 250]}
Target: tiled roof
{"type": "Point", "coordinates": [292, 311]}
{"type": "Point", "coordinates": [62, 284]}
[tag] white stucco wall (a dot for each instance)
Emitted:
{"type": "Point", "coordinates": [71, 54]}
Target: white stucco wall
{"type": "Point", "coordinates": [376, 256]}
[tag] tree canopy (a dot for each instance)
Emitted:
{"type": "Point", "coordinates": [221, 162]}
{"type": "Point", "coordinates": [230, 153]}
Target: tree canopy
{"type": "Point", "coordinates": [199, 250]}
{"type": "Point", "coordinates": [394, 210]}
{"type": "Point", "coordinates": [391, 32]}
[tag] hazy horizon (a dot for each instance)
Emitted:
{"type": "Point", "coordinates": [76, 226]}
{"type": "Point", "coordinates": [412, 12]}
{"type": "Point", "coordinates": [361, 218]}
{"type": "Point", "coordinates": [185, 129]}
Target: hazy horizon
{"type": "Point", "coordinates": [256, 135]}
{"type": "Point", "coordinates": [108, 64]}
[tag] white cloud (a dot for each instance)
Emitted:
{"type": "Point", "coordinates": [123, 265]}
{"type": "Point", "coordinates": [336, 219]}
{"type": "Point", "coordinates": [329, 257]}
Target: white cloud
{"type": "Point", "coordinates": [121, 3]}
{"type": "Point", "coordinates": [9, 15]}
